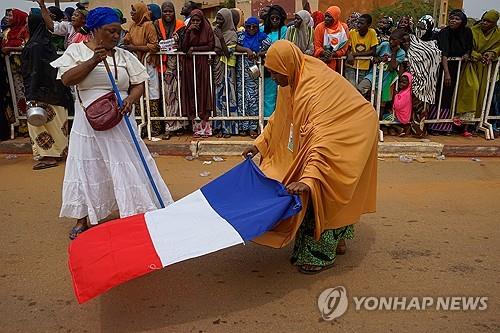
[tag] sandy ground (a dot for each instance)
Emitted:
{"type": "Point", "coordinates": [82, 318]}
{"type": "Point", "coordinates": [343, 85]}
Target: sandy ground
{"type": "Point", "coordinates": [435, 234]}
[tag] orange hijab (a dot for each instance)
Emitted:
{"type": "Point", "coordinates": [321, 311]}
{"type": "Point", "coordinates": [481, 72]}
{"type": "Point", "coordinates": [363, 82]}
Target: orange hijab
{"type": "Point", "coordinates": [334, 12]}
{"type": "Point", "coordinates": [143, 33]}
{"type": "Point", "coordinates": [323, 133]}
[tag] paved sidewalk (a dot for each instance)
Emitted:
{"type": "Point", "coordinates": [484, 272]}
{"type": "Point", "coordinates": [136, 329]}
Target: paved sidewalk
{"type": "Point", "coordinates": [452, 146]}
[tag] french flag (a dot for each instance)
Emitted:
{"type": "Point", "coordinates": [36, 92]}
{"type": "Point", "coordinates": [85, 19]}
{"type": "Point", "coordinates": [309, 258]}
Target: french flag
{"type": "Point", "coordinates": [236, 207]}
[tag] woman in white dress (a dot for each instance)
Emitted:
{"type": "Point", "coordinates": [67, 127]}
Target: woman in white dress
{"type": "Point", "coordinates": [103, 170]}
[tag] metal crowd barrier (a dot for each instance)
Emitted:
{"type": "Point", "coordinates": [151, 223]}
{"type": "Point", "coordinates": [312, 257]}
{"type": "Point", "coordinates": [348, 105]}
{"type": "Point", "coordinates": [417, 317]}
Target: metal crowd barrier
{"type": "Point", "coordinates": [140, 119]}
{"type": "Point", "coordinates": [213, 117]}
{"type": "Point", "coordinates": [483, 118]}
{"type": "Point", "coordinates": [487, 109]}
{"type": "Point", "coordinates": [145, 118]}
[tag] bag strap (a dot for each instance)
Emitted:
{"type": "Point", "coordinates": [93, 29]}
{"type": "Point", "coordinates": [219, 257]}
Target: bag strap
{"type": "Point", "coordinates": [80, 99]}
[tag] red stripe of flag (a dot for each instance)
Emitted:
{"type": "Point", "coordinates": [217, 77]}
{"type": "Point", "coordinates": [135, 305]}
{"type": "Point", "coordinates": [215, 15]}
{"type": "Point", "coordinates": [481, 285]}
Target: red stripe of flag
{"type": "Point", "coordinates": [110, 254]}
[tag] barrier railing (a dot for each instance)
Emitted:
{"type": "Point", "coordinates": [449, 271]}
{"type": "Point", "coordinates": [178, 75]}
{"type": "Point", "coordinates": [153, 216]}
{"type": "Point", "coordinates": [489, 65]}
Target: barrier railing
{"type": "Point", "coordinates": [213, 117]}
{"type": "Point", "coordinates": [487, 107]}
{"type": "Point", "coordinates": [144, 118]}
{"type": "Point", "coordinates": [481, 120]}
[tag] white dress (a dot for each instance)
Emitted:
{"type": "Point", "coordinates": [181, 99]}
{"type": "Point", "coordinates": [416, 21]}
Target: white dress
{"type": "Point", "coordinates": [103, 171]}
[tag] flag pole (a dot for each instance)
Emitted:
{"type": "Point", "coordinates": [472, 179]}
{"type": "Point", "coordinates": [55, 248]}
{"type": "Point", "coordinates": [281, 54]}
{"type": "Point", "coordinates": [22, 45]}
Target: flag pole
{"type": "Point", "coordinates": [133, 135]}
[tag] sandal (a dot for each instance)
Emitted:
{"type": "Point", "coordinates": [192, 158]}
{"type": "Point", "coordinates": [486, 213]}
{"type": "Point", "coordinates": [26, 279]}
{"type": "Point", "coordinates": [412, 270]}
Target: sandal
{"type": "Point", "coordinates": [166, 136]}
{"type": "Point", "coordinates": [226, 136]}
{"type": "Point", "coordinates": [219, 135]}
{"type": "Point", "coordinates": [254, 134]}
{"type": "Point", "coordinates": [306, 269]}
{"type": "Point", "coordinates": [77, 230]}
{"type": "Point", "coordinates": [467, 134]}
{"type": "Point", "coordinates": [44, 165]}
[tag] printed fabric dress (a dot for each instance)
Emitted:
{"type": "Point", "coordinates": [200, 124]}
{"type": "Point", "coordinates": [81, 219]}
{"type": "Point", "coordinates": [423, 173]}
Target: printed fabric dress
{"type": "Point", "coordinates": [103, 170]}
{"type": "Point", "coordinates": [248, 105]}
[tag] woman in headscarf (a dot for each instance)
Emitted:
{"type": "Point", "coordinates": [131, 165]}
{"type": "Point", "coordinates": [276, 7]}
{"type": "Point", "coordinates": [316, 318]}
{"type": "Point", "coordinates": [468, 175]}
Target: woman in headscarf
{"type": "Point", "coordinates": [72, 31]}
{"type": "Point", "coordinates": [57, 15]}
{"type": "Point", "coordinates": [224, 77]}
{"type": "Point", "coordinates": [352, 21]}
{"type": "Point", "coordinates": [406, 23]}
{"type": "Point", "coordinates": [154, 11]}
{"type": "Point", "coordinates": [103, 173]}
{"type": "Point", "coordinates": [49, 141]}
{"type": "Point", "coordinates": [238, 19]}
{"type": "Point", "coordinates": [249, 42]}
{"type": "Point", "coordinates": [384, 28]}
{"type": "Point", "coordinates": [317, 18]}
{"type": "Point", "coordinates": [331, 38]}
{"type": "Point", "coordinates": [68, 13]}
{"type": "Point", "coordinates": [199, 37]}
{"type": "Point", "coordinates": [474, 79]}
{"type": "Point", "coordinates": [167, 28]}
{"type": "Point", "coordinates": [275, 28]}
{"type": "Point", "coordinates": [314, 144]}
{"type": "Point", "coordinates": [123, 32]}
{"type": "Point", "coordinates": [301, 33]}
{"type": "Point", "coordinates": [424, 58]}
{"type": "Point", "coordinates": [454, 41]}
{"type": "Point", "coordinates": [14, 40]}
{"type": "Point", "coordinates": [140, 40]}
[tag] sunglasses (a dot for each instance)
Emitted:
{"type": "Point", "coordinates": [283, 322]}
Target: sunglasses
{"type": "Point", "coordinates": [251, 26]}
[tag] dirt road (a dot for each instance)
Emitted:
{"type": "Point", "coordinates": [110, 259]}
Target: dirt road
{"type": "Point", "coordinates": [436, 233]}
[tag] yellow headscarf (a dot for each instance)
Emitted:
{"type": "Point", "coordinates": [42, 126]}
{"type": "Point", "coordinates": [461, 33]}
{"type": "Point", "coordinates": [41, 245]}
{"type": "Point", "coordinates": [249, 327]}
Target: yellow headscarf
{"type": "Point", "coordinates": [323, 133]}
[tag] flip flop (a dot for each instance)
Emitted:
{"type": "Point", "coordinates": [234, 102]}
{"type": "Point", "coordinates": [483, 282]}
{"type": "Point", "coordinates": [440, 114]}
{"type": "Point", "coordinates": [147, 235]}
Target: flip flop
{"type": "Point", "coordinates": [312, 272]}
{"type": "Point", "coordinates": [44, 165]}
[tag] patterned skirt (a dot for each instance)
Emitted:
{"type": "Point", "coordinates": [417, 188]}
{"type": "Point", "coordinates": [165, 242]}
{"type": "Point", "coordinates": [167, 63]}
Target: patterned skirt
{"type": "Point", "coordinates": [309, 251]}
{"type": "Point", "coordinates": [51, 139]}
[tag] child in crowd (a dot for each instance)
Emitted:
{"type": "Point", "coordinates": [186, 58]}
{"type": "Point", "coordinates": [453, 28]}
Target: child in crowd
{"type": "Point", "coordinates": [391, 55]}
{"type": "Point", "coordinates": [363, 43]}
{"type": "Point", "coordinates": [401, 107]}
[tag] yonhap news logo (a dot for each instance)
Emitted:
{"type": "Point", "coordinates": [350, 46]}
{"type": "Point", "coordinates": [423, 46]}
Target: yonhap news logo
{"type": "Point", "coordinates": [333, 303]}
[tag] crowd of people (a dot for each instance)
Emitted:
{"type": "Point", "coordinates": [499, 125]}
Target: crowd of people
{"type": "Point", "coordinates": [414, 57]}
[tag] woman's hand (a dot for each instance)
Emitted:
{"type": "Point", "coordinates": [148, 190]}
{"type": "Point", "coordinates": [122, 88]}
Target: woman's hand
{"type": "Point", "coordinates": [126, 107]}
{"type": "Point", "coordinates": [297, 188]}
{"type": "Point", "coordinates": [100, 54]}
{"type": "Point", "coordinates": [350, 59]}
{"type": "Point", "coordinates": [250, 54]}
{"type": "Point", "coordinates": [218, 33]}
{"type": "Point", "coordinates": [250, 152]}
{"type": "Point", "coordinates": [447, 79]}
{"type": "Point", "coordinates": [487, 57]}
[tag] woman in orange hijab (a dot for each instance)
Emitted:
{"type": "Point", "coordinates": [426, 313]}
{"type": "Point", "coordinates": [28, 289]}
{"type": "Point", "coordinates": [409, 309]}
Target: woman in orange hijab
{"type": "Point", "coordinates": [331, 38]}
{"type": "Point", "coordinates": [140, 40]}
{"type": "Point", "coordinates": [321, 142]}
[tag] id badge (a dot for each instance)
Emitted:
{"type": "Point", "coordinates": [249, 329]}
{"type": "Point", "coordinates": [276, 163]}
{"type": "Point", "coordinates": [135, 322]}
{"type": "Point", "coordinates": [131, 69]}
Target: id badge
{"type": "Point", "coordinates": [290, 139]}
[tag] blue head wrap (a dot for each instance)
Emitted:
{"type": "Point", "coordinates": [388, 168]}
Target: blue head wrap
{"type": "Point", "coordinates": [155, 11]}
{"type": "Point", "coordinates": [101, 16]}
{"type": "Point", "coordinates": [253, 42]}
{"type": "Point", "coordinates": [252, 20]}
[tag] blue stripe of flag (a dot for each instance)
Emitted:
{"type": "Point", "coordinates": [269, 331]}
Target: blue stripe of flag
{"type": "Point", "coordinates": [249, 201]}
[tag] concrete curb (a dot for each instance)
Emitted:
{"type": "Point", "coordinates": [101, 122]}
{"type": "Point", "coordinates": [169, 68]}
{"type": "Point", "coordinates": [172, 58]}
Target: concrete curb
{"type": "Point", "coordinates": [232, 148]}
